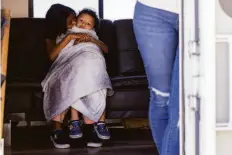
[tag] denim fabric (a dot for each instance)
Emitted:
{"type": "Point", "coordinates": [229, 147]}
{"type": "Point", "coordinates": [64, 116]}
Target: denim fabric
{"type": "Point", "coordinates": [156, 33]}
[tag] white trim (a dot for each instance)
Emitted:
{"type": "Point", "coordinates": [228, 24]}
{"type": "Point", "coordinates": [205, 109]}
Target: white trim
{"type": "Point", "coordinates": [222, 37]}
{"type": "Point", "coordinates": [181, 79]}
{"type": "Point", "coordinates": [230, 82]}
{"type": "Point", "coordinates": [224, 127]}
{"type": "Point", "coordinates": [208, 77]}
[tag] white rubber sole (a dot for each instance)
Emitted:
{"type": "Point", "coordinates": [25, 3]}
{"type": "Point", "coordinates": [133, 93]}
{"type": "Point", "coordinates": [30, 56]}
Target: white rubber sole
{"type": "Point", "coordinates": [100, 136]}
{"type": "Point", "coordinates": [60, 146]}
{"type": "Point", "coordinates": [91, 144]}
{"type": "Point", "coordinates": [76, 136]}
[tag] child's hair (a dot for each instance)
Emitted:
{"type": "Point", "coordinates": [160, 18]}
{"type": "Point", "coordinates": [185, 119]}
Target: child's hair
{"type": "Point", "coordinates": [93, 14]}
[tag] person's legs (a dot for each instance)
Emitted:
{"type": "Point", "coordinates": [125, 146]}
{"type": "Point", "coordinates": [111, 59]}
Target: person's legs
{"type": "Point", "coordinates": [74, 114]}
{"type": "Point", "coordinates": [87, 120]}
{"type": "Point", "coordinates": [170, 145]}
{"type": "Point", "coordinates": [75, 125]}
{"type": "Point", "coordinates": [91, 136]}
{"type": "Point", "coordinates": [57, 122]}
{"type": "Point", "coordinates": [103, 117]}
{"type": "Point", "coordinates": [58, 137]}
{"type": "Point", "coordinates": [157, 40]}
{"type": "Point", "coordinates": [95, 130]}
{"type": "Point", "coordinates": [101, 128]}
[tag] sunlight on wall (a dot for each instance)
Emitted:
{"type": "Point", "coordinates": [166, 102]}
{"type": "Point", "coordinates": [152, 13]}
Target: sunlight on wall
{"type": "Point", "coordinates": [19, 8]}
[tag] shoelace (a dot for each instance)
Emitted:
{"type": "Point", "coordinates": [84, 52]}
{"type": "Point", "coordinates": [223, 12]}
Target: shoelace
{"type": "Point", "coordinates": [59, 135]}
{"type": "Point", "coordinates": [74, 127]}
{"type": "Point", "coordinates": [102, 126]}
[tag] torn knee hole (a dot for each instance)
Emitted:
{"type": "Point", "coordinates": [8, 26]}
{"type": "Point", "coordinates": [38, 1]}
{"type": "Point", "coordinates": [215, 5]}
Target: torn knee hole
{"type": "Point", "coordinates": [161, 98]}
{"type": "Point", "coordinates": [159, 93]}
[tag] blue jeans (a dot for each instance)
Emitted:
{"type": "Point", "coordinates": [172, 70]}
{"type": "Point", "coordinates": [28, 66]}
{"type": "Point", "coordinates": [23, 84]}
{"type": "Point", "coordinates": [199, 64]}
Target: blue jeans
{"type": "Point", "coordinates": [156, 33]}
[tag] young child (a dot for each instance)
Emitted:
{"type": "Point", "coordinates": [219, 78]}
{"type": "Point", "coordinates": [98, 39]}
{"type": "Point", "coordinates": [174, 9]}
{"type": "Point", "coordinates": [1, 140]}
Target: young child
{"type": "Point", "coordinates": [87, 23]}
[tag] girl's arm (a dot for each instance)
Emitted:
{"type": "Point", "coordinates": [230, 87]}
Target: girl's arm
{"type": "Point", "coordinates": [100, 44]}
{"type": "Point", "coordinates": [54, 49]}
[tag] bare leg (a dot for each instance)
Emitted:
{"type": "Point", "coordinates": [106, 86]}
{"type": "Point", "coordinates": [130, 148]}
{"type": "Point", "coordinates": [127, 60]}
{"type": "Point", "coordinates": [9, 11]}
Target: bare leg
{"type": "Point", "coordinates": [88, 121]}
{"type": "Point", "coordinates": [58, 118]}
{"type": "Point", "coordinates": [103, 117]}
{"type": "Point", "coordinates": [101, 128]}
{"type": "Point", "coordinates": [57, 121]}
{"type": "Point", "coordinates": [74, 114]}
{"type": "Point", "coordinates": [57, 132]}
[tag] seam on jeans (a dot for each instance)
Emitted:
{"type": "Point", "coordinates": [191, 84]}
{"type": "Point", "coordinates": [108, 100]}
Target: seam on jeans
{"type": "Point", "coordinates": [172, 126]}
{"type": "Point", "coordinates": [155, 138]}
{"type": "Point", "coordinates": [169, 132]}
{"type": "Point", "coordinates": [166, 151]}
{"type": "Point", "coordinates": [168, 140]}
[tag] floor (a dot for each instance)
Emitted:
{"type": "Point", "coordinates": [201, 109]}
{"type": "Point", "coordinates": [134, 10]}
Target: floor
{"type": "Point", "coordinates": [35, 140]}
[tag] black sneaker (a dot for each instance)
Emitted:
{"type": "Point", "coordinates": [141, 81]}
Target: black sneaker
{"type": "Point", "coordinates": [59, 139]}
{"type": "Point", "coordinates": [91, 137]}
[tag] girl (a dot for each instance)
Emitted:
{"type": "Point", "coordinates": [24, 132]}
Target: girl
{"type": "Point", "coordinates": [59, 18]}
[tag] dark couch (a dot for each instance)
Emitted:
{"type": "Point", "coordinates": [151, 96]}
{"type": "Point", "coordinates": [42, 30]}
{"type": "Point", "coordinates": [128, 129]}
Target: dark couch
{"type": "Point", "coordinates": [28, 64]}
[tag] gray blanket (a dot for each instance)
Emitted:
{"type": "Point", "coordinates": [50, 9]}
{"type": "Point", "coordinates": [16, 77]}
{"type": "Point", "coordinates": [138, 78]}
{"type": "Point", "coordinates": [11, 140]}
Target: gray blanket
{"type": "Point", "coordinates": [77, 72]}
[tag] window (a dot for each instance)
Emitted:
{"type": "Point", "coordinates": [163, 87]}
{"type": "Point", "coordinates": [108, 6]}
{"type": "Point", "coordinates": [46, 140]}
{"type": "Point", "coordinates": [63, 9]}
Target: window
{"type": "Point", "coordinates": [40, 7]}
{"type": "Point", "coordinates": [119, 9]}
{"type": "Point", "coordinates": [112, 9]}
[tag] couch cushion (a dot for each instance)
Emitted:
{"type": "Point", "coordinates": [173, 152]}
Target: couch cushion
{"type": "Point", "coordinates": [107, 34]}
{"type": "Point", "coordinates": [130, 99]}
{"type": "Point", "coordinates": [129, 58]}
{"type": "Point", "coordinates": [27, 60]}
{"type": "Point", "coordinates": [130, 82]}
{"type": "Point", "coordinates": [28, 64]}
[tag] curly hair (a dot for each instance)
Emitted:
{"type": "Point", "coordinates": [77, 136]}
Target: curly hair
{"type": "Point", "coordinates": [56, 18]}
{"type": "Point", "coordinates": [92, 14]}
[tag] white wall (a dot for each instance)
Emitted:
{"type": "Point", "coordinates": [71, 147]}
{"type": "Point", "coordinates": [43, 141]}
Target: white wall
{"type": "Point", "coordinates": [223, 20]}
{"type": "Point", "coordinates": [19, 8]}
{"type": "Point", "coordinates": [224, 141]}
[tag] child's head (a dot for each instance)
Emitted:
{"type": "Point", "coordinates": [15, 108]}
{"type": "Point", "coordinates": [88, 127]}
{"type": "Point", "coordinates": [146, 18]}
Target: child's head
{"type": "Point", "coordinates": [87, 19]}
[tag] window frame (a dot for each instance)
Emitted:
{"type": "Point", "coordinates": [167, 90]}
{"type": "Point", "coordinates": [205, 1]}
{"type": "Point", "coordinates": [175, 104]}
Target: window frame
{"type": "Point", "coordinates": [31, 8]}
{"type": "Point", "coordinates": [100, 9]}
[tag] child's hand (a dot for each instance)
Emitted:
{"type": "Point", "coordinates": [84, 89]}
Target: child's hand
{"type": "Point", "coordinates": [84, 38]}
{"type": "Point", "coordinates": [76, 42]}
{"type": "Point", "coordinates": [80, 37]}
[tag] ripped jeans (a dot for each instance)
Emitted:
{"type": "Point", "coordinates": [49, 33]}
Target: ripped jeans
{"type": "Point", "coordinates": [156, 33]}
